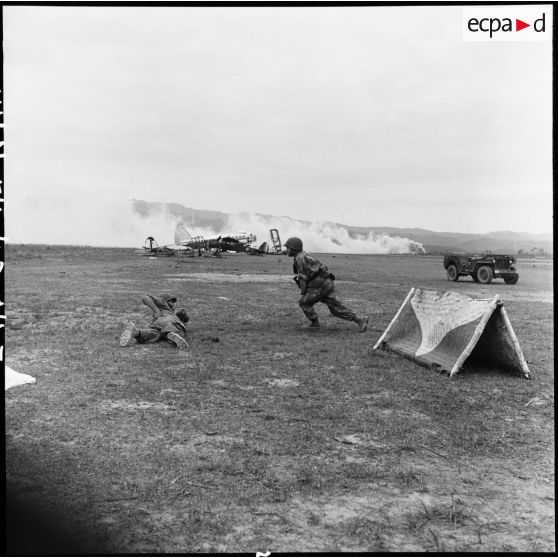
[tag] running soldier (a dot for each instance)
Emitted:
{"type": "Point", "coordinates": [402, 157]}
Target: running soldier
{"type": "Point", "coordinates": [316, 285]}
{"type": "Point", "coordinates": [167, 323]}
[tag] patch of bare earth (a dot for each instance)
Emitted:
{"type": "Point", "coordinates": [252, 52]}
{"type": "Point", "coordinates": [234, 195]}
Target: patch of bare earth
{"type": "Point", "coordinates": [443, 509]}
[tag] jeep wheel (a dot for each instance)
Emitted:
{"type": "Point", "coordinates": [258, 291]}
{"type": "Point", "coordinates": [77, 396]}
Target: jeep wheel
{"type": "Point", "coordinates": [484, 274]}
{"type": "Point", "coordinates": [452, 273]}
{"type": "Point", "coordinates": [511, 280]}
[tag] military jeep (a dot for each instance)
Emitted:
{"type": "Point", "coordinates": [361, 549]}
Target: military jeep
{"type": "Point", "coordinates": [481, 268]}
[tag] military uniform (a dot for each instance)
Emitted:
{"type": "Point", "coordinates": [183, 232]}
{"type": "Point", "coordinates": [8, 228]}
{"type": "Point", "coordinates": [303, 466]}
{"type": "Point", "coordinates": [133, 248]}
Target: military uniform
{"type": "Point", "coordinates": [160, 327]}
{"type": "Point", "coordinates": [317, 285]}
{"type": "Point", "coordinates": [166, 324]}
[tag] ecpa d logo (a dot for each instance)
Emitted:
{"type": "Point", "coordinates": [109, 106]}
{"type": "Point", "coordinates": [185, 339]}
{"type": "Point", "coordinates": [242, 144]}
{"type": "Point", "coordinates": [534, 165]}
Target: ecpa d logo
{"type": "Point", "coordinates": [511, 23]}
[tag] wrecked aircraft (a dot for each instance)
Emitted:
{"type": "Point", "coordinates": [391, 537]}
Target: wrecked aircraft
{"type": "Point", "coordinates": [187, 245]}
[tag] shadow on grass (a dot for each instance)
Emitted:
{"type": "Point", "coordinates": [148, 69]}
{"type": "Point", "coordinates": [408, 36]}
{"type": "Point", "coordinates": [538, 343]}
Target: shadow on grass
{"type": "Point", "coordinates": [31, 530]}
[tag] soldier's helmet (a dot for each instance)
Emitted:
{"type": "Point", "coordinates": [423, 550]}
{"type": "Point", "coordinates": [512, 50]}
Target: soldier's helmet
{"type": "Point", "coordinates": [165, 297]}
{"type": "Point", "coordinates": [182, 315]}
{"type": "Point", "coordinates": [295, 243]}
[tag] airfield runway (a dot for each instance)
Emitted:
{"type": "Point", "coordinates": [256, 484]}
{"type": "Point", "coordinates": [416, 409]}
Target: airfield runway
{"type": "Point", "coordinates": [262, 436]}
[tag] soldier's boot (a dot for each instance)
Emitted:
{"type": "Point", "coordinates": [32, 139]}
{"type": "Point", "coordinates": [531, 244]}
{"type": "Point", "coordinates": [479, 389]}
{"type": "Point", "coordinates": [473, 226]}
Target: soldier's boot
{"type": "Point", "coordinates": [177, 340]}
{"type": "Point", "coordinates": [362, 324]}
{"type": "Point", "coordinates": [128, 335]}
{"type": "Point", "coordinates": [313, 325]}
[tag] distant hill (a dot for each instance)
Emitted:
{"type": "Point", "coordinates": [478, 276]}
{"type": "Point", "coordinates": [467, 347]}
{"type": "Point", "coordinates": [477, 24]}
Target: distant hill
{"type": "Point", "coordinates": [204, 218]}
{"type": "Point", "coordinates": [497, 241]}
{"type": "Point", "coordinates": [433, 242]}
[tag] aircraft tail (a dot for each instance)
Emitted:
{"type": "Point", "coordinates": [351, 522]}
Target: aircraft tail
{"type": "Point", "coordinates": [276, 240]}
{"type": "Point", "coordinates": [181, 235]}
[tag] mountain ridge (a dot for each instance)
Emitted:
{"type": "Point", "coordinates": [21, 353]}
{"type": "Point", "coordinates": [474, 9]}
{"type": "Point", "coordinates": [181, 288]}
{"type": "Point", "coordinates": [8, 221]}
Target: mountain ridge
{"type": "Point", "coordinates": [433, 241]}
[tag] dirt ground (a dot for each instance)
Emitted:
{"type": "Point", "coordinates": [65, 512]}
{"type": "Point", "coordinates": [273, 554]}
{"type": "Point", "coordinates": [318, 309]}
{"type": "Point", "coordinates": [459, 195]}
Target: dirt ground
{"type": "Point", "coordinates": [263, 437]}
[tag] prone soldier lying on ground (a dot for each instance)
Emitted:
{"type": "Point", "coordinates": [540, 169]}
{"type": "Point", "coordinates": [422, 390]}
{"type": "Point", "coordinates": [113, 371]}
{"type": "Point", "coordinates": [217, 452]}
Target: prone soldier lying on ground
{"type": "Point", "coordinates": [167, 323]}
{"type": "Point", "coordinates": [316, 285]}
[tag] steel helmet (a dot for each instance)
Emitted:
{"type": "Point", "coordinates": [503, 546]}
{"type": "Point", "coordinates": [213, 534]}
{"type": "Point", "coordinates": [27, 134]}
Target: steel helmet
{"type": "Point", "coordinates": [182, 315]}
{"type": "Point", "coordinates": [295, 243]}
{"type": "Point", "coordinates": [165, 297]}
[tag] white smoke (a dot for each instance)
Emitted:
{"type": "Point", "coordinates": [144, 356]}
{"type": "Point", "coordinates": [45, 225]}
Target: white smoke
{"type": "Point", "coordinates": [96, 222]}
{"type": "Point", "coordinates": [317, 236]}
{"type": "Point", "coordinates": [82, 220]}
{"type": "Point", "coordinates": [322, 236]}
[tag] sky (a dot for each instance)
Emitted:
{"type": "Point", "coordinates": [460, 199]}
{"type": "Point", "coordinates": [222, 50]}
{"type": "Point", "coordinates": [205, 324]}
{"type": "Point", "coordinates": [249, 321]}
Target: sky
{"type": "Point", "coordinates": [365, 116]}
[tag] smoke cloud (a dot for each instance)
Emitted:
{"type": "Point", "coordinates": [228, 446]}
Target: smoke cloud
{"type": "Point", "coordinates": [322, 236]}
{"type": "Point", "coordinates": [81, 220]}
{"type": "Point", "coordinates": [90, 221]}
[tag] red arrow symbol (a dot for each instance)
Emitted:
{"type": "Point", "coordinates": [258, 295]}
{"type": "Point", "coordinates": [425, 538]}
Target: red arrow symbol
{"type": "Point", "coordinates": [519, 25]}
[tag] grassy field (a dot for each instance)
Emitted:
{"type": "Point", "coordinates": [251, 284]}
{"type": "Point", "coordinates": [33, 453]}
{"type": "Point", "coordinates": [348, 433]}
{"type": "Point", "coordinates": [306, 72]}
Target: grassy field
{"type": "Point", "coordinates": [264, 436]}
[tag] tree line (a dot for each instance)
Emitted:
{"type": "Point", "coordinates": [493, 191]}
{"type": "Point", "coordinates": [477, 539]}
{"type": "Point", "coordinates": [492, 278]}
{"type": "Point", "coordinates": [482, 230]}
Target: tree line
{"type": "Point", "coordinates": [534, 253]}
